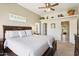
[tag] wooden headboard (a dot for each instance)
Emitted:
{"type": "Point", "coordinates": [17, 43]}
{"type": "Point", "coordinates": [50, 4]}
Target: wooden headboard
{"type": "Point", "coordinates": [12, 28]}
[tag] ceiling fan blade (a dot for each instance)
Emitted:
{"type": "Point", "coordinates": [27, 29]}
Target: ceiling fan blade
{"type": "Point", "coordinates": [55, 4]}
{"type": "Point", "coordinates": [52, 9]}
{"type": "Point", "coordinates": [42, 7]}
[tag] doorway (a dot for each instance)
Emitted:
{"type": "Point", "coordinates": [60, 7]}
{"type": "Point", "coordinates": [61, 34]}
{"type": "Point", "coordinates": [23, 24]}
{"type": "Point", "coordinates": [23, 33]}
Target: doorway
{"type": "Point", "coordinates": [65, 31]}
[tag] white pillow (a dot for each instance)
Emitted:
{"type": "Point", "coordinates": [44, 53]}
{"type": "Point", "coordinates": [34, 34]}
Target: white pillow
{"type": "Point", "coordinates": [11, 34]}
{"type": "Point", "coordinates": [50, 43]}
{"type": "Point", "coordinates": [22, 33]}
{"type": "Point", "coordinates": [29, 32]}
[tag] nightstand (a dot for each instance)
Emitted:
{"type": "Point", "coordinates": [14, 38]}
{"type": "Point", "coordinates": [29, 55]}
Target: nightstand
{"type": "Point", "coordinates": [1, 48]}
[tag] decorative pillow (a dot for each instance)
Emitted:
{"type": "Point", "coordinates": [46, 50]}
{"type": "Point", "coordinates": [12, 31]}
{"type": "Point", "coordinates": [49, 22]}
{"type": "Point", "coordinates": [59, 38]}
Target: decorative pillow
{"type": "Point", "coordinates": [11, 34]}
{"type": "Point", "coordinates": [29, 32]}
{"type": "Point", "coordinates": [22, 33]}
{"type": "Point", "coordinates": [50, 44]}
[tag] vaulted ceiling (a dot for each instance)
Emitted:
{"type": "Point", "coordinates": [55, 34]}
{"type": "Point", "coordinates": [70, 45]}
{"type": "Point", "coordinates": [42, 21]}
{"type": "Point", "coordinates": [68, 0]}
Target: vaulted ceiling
{"type": "Point", "coordinates": [61, 7]}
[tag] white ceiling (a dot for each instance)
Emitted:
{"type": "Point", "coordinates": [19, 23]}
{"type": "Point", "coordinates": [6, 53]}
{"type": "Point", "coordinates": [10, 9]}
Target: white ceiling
{"type": "Point", "coordinates": [61, 7]}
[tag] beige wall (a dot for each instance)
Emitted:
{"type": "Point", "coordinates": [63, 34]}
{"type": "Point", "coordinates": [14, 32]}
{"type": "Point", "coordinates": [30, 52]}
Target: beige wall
{"type": "Point", "coordinates": [5, 9]}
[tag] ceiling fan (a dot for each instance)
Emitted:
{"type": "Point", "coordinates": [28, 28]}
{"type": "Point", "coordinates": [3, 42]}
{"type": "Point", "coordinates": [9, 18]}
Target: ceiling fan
{"type": "Point", "coordinates": [49, 6]}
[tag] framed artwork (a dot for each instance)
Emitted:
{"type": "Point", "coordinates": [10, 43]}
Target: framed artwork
{"type": "Point", "coordinates": [53, 25]}
{"type": "Point", "coordinates": [17, 18]}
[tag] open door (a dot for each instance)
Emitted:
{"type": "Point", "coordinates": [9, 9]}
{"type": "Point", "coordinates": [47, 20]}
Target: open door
{"type": "Point", "coordinates": [65, 31]}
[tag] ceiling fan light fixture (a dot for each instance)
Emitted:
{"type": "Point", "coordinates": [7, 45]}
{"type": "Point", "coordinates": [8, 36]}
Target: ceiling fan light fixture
{"type": "Point", "coordinates": [47, 10]}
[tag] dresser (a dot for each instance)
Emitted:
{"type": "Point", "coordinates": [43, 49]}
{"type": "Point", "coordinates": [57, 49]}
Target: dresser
{"type": "Point", "coordinates": [76, 51]}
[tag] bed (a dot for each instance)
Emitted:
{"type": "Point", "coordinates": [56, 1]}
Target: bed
{"type": "Point", "coordinates": [37, 45]}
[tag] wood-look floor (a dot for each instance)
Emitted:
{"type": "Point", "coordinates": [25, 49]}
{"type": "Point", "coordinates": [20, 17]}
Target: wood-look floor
{"type": "Point", "coordinates": [64, 49]}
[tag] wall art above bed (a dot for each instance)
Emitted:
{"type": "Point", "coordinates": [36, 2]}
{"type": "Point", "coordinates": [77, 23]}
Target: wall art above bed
{"type": "Point", "coordinates": [17, 18]}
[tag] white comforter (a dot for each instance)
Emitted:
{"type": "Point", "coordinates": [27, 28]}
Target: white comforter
{"type": "Point", "coordinates": [29, 46]}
